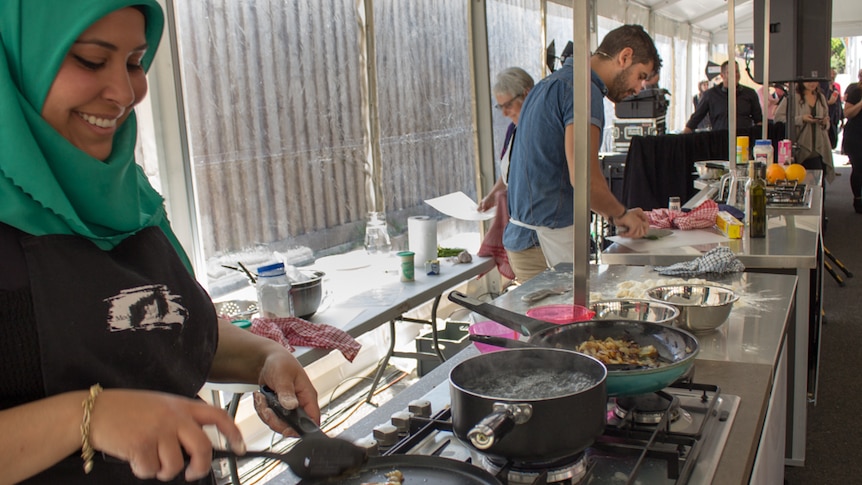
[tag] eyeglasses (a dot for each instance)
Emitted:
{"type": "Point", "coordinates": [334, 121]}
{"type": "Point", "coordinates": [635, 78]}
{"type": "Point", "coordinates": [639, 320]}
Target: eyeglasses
{"type": "Point", "coordinates": [507, 104]}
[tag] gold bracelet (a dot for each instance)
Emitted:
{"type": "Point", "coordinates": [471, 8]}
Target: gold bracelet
{"type": "Point", "coordinates": [86, 448]}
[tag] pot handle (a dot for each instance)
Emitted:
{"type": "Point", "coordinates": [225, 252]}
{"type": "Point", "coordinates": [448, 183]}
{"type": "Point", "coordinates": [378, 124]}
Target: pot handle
{"type": "Point", "coordinates": [495, 426]}
{"type": "Point", "coordinates": [501, 341]}
{"type": "Point", "coordinates": [520, 323]}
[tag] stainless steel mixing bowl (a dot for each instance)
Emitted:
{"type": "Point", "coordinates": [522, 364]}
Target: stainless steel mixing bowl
{"type": "Point", "coordinates": [701, 307]}
{"type": "Point", "coordinates": [638, 310]}
{"type": "Point", "coordinates": [710, 170]}
{"type": "Point", "coordinates": [307, 295]}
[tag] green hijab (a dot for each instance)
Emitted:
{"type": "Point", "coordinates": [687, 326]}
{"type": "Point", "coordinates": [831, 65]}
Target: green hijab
{"type": "Point", "coordinates": [47, 185]}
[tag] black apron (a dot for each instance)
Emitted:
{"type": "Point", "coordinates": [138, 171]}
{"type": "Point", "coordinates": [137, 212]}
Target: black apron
{"type": "Point", "coordinates": [132, 317]}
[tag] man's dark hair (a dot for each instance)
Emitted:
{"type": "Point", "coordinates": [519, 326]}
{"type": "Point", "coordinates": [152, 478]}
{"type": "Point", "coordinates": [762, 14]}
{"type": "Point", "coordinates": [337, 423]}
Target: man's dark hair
{"type": "Point", "coordinates": [633, 36]}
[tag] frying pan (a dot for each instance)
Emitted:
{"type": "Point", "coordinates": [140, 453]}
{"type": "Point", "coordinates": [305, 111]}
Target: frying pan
{"type": "Point", "coordinates": [317, 458]}
{"type": "Point", "coordinates": [676, 348]}
{"type": "Point", "coordinates": [416, 469]}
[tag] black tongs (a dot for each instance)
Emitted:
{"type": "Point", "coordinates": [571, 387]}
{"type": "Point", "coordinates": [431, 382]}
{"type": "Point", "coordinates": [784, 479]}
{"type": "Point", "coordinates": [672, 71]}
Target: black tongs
{"type": "Point", "coordinates": [315, 455]}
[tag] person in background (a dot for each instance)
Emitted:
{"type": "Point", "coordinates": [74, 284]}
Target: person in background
{"type": "Point", "coordinates": [811, 118]}
{"type": "Point", "coordinates": [832, 90]}
{"type": "Point", "coordinates": [852, 142]}
{"type": "Point", "coordinates": [702, 88]}
{"type": "Point", "coordinates": [541, 174]}
{"type": "Point", "coordinates": [524, 253]}
{"type": "Point", "coordinates": [776, 94]}
{"type": "Point", "coordinates": [107, 338]}
{"type": "Point", "coordinates": [715, 102]}
{"type": "Point", "coordinates": [857, 83]}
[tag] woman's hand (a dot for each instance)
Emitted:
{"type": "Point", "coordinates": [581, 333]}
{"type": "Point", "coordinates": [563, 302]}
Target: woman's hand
{"type": "Point", "coordinates": [284, 374]}
{"type": "Point", "coordinates": [153, 430]}
{"type": "Point", "coordinates": [809, 119]}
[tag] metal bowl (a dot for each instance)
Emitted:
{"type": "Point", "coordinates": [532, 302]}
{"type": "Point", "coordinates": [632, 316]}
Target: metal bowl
{"type": "Point", "coordinates": [307, 295]}
{"type": "Point", "coordinates": [710, 170]}
{"type": "Point", "coordinates": [701, 307]}
{"type": "Point", "coordinates": [637, 310]}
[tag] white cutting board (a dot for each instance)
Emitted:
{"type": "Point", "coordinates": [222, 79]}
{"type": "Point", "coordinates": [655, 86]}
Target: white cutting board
{"type": "Point", "coordinates": [679, 238]}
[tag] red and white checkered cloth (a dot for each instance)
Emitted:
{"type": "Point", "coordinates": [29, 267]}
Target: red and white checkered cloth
{"type": "Point", "coordinates": [701, 217]}
{"type": "Point", "coordinates": [292, 331]}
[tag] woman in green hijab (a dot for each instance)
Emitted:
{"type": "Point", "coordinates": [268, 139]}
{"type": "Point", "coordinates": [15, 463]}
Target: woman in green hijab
{"type": "Point", "coordinates": [105, 336]}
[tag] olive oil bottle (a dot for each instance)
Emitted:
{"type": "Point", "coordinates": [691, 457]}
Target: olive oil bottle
{"type": "Point", "coordinates": [755, 200]}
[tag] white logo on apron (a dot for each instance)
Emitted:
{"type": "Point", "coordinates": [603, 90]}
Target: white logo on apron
{"type": "Point", "coordinates": [146, 307]}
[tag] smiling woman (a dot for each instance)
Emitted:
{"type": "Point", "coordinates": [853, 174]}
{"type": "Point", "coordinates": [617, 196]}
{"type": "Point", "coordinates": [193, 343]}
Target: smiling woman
{"type": "Point", "coordinates": [107, 337]}
{"type": "Point", "coordinates": [106, 62]}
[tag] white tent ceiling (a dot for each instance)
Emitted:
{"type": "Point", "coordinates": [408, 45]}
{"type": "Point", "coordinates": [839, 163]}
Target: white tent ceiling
{"type": "Point", "coordinates": [711, 16]}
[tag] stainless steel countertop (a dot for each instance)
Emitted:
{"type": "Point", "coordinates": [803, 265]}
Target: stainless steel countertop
{"type": "Point", "coordinates": [739, 357]}
{"type": "Point", "coordinates": [752, 334]}
{"type": "Point", "coordinates": [791, 242]}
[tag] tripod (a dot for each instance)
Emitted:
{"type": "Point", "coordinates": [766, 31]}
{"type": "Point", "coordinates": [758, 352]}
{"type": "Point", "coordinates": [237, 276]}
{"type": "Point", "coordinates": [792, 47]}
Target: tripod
{"type": "Point", "coordinates": [828, 266]}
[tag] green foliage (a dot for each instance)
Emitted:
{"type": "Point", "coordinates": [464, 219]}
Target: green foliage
{"type": "Point", "coordinates": [839, 57]}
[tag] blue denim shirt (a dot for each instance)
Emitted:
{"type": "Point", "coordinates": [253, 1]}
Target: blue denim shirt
{"type": "Point", "coordinates": [540, 193]}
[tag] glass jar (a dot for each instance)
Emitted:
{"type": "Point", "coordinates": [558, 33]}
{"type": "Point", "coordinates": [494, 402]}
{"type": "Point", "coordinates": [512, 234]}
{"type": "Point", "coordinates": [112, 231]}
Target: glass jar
{"type": "Point", "coordinates": [273, 292]}
{"type": "Point", "coordinates": [377, 234]}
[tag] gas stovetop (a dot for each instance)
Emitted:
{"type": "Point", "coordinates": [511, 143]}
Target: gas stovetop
{"type": "Point", "coordinates": [637, 447]}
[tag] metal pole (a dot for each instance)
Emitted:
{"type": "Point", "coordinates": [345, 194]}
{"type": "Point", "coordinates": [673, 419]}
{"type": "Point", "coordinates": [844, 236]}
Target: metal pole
{"type": "Point", "coordinates": [582, 150]}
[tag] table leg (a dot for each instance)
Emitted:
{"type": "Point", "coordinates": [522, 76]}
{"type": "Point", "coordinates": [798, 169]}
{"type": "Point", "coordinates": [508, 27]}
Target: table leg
{"type": "Point", "coordinates": [231, 461]}
{"type": "Point", "coordinates": [382, 368]}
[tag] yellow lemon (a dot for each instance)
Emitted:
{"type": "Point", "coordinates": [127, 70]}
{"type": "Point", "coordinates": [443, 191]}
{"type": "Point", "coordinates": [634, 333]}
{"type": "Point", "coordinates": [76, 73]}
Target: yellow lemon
{"type": "Point", "coordinates": [795, 172]}
{"type": "Point", "coordinates": [774, 173]}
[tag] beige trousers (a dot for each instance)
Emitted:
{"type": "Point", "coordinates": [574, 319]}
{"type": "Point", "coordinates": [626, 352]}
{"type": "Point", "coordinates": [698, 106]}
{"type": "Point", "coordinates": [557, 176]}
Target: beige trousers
{"type": "Point", "coordinates": [527, 263]}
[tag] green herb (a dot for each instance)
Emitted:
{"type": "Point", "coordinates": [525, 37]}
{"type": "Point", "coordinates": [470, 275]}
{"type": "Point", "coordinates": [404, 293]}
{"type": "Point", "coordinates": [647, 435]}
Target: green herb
{"type": "Point", "coordinates": [448, 252]}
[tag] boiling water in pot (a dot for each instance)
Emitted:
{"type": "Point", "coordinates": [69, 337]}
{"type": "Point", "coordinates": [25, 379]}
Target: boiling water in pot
{"type": "Point", "coordinates": [529, 384]}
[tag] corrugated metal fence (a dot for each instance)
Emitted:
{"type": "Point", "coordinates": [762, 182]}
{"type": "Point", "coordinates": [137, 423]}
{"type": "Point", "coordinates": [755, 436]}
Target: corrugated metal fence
{"type": "Point", "coordinates": [274, 102]}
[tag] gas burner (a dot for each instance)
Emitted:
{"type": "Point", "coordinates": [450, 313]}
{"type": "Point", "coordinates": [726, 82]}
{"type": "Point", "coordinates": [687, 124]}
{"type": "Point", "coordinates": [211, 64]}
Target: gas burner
{"type": "Point", "coordinates": [571, 470]}
{"type": "Point", "coordinates": [648, 408]}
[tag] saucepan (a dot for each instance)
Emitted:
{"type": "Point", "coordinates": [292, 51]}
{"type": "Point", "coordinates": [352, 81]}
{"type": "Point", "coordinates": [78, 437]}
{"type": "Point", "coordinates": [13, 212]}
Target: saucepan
{"type": "Point", "coordinates": [317, 458]}
{"type": "Point", "coordinates": [676, 348]}
{"type": "Point", "coordinates": [529, 405]}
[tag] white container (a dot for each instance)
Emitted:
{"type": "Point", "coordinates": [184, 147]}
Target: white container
{"type": "Point", "coordinates": [763, 152]}
{"type": "Point", "coordinates": [273, 292]}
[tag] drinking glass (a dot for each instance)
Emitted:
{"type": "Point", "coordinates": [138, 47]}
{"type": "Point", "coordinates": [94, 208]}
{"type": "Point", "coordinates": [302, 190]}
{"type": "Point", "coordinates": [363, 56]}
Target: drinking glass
{"type": "Point", "coordinates": [377, 234]}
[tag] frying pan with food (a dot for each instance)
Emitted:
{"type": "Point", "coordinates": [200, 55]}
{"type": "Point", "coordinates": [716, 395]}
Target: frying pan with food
{"type": "Point", "coordinates": [676, 348]}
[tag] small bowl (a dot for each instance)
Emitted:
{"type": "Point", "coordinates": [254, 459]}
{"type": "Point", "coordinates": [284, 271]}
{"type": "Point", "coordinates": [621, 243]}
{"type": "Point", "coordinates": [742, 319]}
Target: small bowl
{"type": "Point", "coordinates": [701, 307]}
{"type": "Point", "coordinates": [493, 329]}
{"type": "Point", "coordinates": [561, 314]}
{"type": "Point", "coordinates": [637, 310]}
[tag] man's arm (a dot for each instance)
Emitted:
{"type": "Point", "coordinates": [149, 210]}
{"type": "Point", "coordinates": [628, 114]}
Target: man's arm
{"type": "Point", "coordinates": [602, 200]}
{"type": "Point", "coordinates": [698, 115]}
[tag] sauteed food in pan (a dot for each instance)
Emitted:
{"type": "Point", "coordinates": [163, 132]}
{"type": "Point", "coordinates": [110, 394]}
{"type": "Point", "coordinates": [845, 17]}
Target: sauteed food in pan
{"type": "Point", "coordinates": [618, 351]}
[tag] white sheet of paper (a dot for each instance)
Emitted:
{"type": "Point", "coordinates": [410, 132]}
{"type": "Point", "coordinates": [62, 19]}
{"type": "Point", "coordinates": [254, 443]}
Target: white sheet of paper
{"type": "Point", "coordinates": [460, 206]}
{"type": "Point", "coordinates": [679, 238]}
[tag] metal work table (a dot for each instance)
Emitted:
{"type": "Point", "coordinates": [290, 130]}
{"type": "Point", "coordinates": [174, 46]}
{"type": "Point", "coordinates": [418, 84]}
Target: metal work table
{"type": "Point", "coordinates": [740, 357]}
{"type": "Point", "coordinates": [793, 245]}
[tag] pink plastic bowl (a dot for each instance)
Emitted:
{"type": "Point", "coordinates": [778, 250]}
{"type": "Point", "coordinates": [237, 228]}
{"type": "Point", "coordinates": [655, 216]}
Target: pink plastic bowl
{"type": "Point", "coordinates": [494, 329]}
{"type": "Point", "coordinates": [561, 314]}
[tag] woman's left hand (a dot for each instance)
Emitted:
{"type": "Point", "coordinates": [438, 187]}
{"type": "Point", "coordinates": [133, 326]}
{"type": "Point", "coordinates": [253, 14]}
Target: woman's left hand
{"type": "Point", "coordinates": [285, 375]}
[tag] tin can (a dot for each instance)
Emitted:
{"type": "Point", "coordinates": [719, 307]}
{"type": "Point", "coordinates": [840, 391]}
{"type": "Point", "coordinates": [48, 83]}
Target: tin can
{"type": "Point", "coordinates": [432, 267]}
{"type": "Point", "coordinates": [407, 269]}
{"type": "Point", "coordinates": [785, 154]}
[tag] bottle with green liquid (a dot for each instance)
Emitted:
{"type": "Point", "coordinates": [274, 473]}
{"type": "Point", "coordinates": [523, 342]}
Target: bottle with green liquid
{"type": "Point", "coordinates": [755, 200]}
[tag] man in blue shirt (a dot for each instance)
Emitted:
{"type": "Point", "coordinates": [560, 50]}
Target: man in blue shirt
{"type": "Point", "coordinates": [542, 165]}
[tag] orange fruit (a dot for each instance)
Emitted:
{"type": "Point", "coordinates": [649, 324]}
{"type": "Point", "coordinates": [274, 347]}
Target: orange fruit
{"type": "Point", "coordinates": [795, 172]}
{"type": "Point", "coordinates": [774, 173]}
